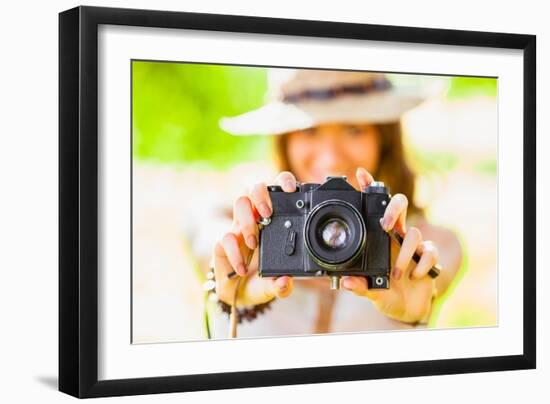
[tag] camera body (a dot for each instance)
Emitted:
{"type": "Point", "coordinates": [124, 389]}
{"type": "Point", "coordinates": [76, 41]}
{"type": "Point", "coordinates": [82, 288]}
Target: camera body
{"type": "Point", "coordinates": [327, 229]}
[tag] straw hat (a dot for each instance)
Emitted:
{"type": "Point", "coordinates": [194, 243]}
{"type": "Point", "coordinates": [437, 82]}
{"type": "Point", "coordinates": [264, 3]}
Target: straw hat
{"type": "Point", "coordinates": [299, 99]}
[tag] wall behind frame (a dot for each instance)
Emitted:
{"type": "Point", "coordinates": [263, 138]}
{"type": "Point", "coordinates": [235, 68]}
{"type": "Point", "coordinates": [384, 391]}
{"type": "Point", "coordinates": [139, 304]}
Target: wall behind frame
{"type": "Point", "coordinates": [28, 207]}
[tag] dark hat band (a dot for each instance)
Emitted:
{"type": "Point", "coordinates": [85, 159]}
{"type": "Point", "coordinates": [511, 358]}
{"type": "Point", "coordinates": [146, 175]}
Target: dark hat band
{"type": "Point", "coordinates": [379, 84]}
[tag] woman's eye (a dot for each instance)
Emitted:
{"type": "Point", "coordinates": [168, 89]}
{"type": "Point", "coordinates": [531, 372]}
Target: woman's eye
{"type": "Point", "coordinates": [309, 131]}
{"type": "Point", "coordinates": [353, 130]}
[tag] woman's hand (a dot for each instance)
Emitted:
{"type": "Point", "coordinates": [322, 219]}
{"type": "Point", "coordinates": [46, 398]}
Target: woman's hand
{"type": "Point", "coordinates": [237, 250]}
{"type": "Point", "coordinates": [410, 294]}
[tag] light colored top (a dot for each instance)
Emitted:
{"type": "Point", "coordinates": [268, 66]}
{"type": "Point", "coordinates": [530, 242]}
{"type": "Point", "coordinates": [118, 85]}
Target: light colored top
{"type": "Point", "coordinates": [297, 315]}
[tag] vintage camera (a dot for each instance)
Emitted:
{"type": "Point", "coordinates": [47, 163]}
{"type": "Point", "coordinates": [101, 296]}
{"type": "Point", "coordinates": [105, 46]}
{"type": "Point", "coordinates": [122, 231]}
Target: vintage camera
{"type": "Point", "coordinates": [327, 229]}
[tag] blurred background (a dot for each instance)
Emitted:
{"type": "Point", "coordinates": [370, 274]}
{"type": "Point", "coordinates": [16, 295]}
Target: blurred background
{"type": "Point", "coordinates": [185, 168]}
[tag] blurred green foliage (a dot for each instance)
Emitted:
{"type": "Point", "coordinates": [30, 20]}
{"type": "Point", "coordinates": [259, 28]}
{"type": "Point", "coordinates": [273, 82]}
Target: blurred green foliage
{"type": "Point", "coordinates": [429, 161]}
{"type": "Point", "coordinates": [439, 303]}
{"type": "Point", "coordinates": [176, 108]}
{"type": "Point", "coordinates": [462, 87]}
{"type": "Point", "coordinates": [487, 167]}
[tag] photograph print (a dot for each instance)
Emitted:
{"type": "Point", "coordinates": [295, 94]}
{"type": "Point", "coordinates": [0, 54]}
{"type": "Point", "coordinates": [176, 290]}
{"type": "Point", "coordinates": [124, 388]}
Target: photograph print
{"type": "Point", "coordinates": [276, 202]}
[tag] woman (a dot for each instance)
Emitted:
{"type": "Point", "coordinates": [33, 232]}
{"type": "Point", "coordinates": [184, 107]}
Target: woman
{"type": "Point", "coordinates": [336, 123]}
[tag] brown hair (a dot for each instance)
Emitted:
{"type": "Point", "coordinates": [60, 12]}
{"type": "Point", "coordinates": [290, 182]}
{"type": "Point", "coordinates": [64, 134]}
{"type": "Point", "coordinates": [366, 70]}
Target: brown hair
{"type": "Point", "coordinates": [393, 168]}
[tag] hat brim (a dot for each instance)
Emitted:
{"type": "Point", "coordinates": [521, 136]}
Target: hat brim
{"type": "Point", "coordinates": [277, 117]}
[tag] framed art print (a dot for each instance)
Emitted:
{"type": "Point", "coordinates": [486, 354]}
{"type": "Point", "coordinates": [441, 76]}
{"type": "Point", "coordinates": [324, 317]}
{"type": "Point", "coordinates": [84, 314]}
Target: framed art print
{"type": "Point", "coordinates": [234, 187]}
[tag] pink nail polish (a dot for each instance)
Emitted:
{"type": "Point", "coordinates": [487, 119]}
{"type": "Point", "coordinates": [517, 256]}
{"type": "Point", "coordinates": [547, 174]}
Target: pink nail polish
{"type": "Point", "coordinates": [264, 210]}
{"type": "Point", "coordinates": [241, 269]}
{"type": "Point", "coordinates": [289, 185]}
{"type": "Point", "coordinates": [396, 273]}
{"type": "Point", "coordinates": [386, 223]}
{"type": "Point", "coordinates": [252, 242]}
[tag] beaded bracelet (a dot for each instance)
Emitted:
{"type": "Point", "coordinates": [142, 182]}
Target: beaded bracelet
{"type": "Point", "coordinates": [245, 313]}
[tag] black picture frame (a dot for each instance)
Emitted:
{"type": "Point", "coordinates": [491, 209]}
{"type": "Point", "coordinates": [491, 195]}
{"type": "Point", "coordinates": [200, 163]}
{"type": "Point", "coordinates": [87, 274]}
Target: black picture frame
{"type": "Point", "coordinates": [78, 200]}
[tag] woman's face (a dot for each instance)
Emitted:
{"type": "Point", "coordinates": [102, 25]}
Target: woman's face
{"type": "Point", "coordinates": [333, 149]}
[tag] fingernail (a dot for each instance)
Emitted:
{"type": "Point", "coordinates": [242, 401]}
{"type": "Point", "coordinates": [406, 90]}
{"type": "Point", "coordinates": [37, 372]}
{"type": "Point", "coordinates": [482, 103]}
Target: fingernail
{"type": "Point", "coordinates": [386, 223]}
{"type": "Point", "coordinates": [252, 242]}
{"type": "Point", "coordinates": [346, 283]}
{"type": "Point", "coordinates": [241, 269]}
{"type": "Point", "coordinates": [264, 209]}
{"type": "Point", "coordinates": [290, 185]}
{"type": "Point", "coordinates": [396, 273]}
{"type": "Point", "coordinates": [361, 180]}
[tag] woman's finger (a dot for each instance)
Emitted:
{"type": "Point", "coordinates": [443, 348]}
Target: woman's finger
{"type": "Point", "coordinates": [245, 216]}
{"type": "Point", "coordinates": [222, 268]}
{"type": "Point", "coordinates": [356, 284]}
{"type": "Point", "coordinates": [359, 286]}
{"type": "Point", "coordinates": [429, 255]}
{"type": "Point", "coordinates": [261, 199]}
{"type": "Point", "coordinates": [282, 286]}
{"type": "Point", "coordinates": [261, 290]}
{"type": "Point", "coordinates": [395, 215]}
{"type": "Point", "coordinates": [286, 181]}
{"type": "Point", "coordinates": [364, 178]}
{"type": "Point", "coordinates": [221, 265]}
{"type": "Point", "coordinates": [410, 243]}
{"type": "Point", "coordinates": [232, 250]}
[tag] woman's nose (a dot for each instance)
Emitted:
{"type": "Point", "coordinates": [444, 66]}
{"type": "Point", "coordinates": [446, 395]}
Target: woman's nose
{"type": "Point", "coordinates": [330, 158]}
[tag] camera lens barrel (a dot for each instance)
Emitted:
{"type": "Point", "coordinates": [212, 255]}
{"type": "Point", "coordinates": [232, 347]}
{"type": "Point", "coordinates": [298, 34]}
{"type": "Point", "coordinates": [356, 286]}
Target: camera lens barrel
{"type": "Point", "coordinates": [334, 234]}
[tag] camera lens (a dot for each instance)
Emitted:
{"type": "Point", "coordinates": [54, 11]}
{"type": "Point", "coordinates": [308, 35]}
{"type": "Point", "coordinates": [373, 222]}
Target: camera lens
{"type": "Point", "coordinates": [335, 234]}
